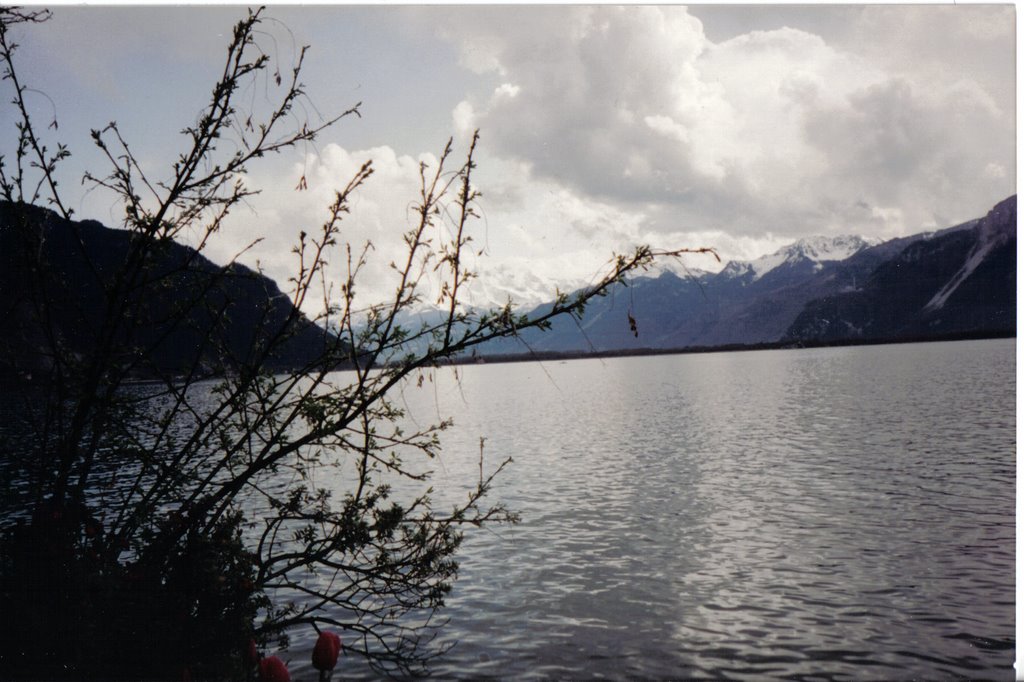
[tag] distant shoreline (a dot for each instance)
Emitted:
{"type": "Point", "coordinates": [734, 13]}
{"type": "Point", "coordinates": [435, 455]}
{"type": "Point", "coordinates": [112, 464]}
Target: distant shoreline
{"type": "Point", "coordinates": [542, 356]}
{"type": "Point", "coordinates": [725, 348]}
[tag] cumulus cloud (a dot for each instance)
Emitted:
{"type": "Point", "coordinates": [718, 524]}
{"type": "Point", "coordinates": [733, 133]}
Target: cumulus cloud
{"type": "Point", "coordinates": [572, 101]}
{"type": "Point", "coordinates": [532, 236]}
{"type": "Point", "coordinates": [382, 210]}
{"type": "Point", "coordinates": [603, 127]}
{"type": "Point", "coordinates": [776, 130]}
{"type": "Point", "coordinates": [606, 127]}
{"type": "Point", "coordinates": [539, 226]}
{"type": "Point", "coordinates": [923, 154]}
{"type": "Point", "coordinates": [937, 45]}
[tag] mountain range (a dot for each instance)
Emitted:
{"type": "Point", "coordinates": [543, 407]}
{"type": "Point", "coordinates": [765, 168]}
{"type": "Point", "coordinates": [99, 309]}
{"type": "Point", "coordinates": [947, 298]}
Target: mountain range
{"type": "Point", "coordinates": [957, 281]}
{"type": "Point", "coordinates": [181, 314]}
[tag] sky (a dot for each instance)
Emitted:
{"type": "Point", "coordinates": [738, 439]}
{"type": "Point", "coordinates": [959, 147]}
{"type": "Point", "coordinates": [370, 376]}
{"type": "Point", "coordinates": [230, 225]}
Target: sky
{"type": "Point", "coordinates": [741, 128]}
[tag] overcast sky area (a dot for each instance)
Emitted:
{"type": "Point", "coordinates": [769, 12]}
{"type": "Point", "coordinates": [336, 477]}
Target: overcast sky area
{"type": "Point", "coordinates": [739, 128]}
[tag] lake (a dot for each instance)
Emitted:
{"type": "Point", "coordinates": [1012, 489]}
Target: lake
{"type": "Point", "coordinates": [836, 513]}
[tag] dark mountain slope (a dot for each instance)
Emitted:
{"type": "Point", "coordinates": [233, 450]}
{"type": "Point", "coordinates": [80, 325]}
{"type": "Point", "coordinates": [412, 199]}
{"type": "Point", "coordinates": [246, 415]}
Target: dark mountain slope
{"type": "Point", "coordinates": [805, 292]}
{"type": "Point", "coordinates": [951, 283]}
{"type": "Point", "coordinates": [59, 288]}
{"type": "Point", "coordinates": [734, 306]}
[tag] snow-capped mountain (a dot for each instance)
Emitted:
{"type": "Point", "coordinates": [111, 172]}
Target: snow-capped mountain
{"type": "Point", "coordinates": [675, 267]}
{"type": "Point", "coordinates": [524, 289]}
{"type": "Point", "coordinates": [821, 289]}
{"type": "Point", "coordinates": [816, 250]}
{"type": "Point", "coordinates": [959, 281]}
{"type": "Point", "coordinates": [527, 289]}
{"type": "Point", "coordinates": [995, 230]}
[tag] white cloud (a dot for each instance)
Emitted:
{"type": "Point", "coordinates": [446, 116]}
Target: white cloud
{"type": "Point", "coordinates": [773, 130]}
{"type": "Point", "coordinates": [605, 127]}
{"type": "Point", "coordinates": [533, 233]}
{"type": "Point", "coordinates": [464, 119]}
{"type": "Point", "coordinates": [995, 170]}
{"type": "Point", "coordinates": [937, 45]}
{"type": "Point", "coordinates": [890, 145]}
{"type": "Point", "coordinates": [382, 210]}
{"type": "Point", "coordinates": [668, 127]}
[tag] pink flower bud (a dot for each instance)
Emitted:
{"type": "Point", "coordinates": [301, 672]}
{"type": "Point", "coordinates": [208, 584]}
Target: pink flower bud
{"type": "Point", "coordinates": [272, 669]}
{"type": "Point", "coordinates": [325, 653]}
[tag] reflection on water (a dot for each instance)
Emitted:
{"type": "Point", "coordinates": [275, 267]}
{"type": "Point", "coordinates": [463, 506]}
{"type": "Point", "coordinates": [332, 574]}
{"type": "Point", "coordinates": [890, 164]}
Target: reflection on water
{"type": "Point", "coordinates": [836, 513]}
{"type": "Point", "coordinates": [829, 513]}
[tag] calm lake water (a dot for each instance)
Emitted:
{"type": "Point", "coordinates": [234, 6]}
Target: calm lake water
{"type": "Point", "coordinates": [843, 513]}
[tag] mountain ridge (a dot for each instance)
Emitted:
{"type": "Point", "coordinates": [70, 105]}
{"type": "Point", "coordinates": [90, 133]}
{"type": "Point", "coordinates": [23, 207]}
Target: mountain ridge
{"type": "Point", "coordinates": [188, 314]}
{"type": "Point", "coordinates": [953, 281]}
{"type": "Point", "coordinates": [743, 306]}
{"type": "Point", "coordinates": [959, 280]}
{"type": "Point", "coordinates": [816, 249]}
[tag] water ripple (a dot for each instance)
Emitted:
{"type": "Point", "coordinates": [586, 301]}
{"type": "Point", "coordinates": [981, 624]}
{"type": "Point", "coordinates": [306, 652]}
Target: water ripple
{"type": "Point", "coordinates": [828, 514]}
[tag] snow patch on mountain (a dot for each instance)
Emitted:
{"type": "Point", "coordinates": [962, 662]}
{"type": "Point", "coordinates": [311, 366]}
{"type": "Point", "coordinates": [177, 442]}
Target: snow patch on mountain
{"type": "Point", "coordinates": [816, 249]}
{"type": "Point", "coordinates": [990, 237]}
{"type": "Point", "coordinates": [673, 266]}
{"type": "Point", "coordinates": [525, 289]}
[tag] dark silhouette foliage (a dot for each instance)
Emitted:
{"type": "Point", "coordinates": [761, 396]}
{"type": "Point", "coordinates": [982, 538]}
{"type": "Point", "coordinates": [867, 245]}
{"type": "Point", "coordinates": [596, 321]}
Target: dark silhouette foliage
{"type": "Point", "coordinates": [161, 510]}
